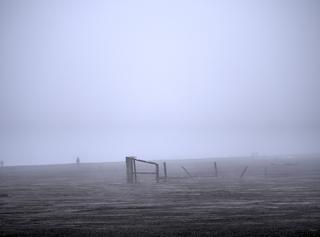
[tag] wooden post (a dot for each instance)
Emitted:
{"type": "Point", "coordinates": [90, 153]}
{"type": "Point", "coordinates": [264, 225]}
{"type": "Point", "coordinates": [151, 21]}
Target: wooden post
{"type": "Point", "coordinates": [244, 171]}
{"type": "Point", "coordinates": [157, 173]}
{"type": "Point", "coordinates": [165, 171]}
{"type": "Point", "coordinates": [2, 163]}
{"type": "Point", "coordinates": [215, 169]}
{"type": "Point", "coordinates": [187, 172]}
{"type": "Point", "coordinates": [134, 170]}
{"type": "Point", "coordinates": [129, 166]}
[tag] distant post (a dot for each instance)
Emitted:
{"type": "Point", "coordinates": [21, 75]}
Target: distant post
{"type": "Point", "coordinates": [215, 169]}
{"type": "Point", "coordinates": [1, 164]}
{"type": "Point", "coordinates": [78, 161]}
{"type": "Point", "coordinates": [165, 171]}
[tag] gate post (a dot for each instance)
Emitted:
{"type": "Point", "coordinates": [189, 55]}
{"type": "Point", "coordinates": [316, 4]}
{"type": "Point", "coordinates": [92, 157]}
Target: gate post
{"type": "Point", "coordinates": [129, 166]}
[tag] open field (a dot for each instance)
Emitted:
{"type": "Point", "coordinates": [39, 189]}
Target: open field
{"type": "Point", "coordinates": [276, 197]}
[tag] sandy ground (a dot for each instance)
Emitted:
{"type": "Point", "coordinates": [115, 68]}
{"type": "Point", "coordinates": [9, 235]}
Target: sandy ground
{"type": "Point", "coordinates": [276, 197]}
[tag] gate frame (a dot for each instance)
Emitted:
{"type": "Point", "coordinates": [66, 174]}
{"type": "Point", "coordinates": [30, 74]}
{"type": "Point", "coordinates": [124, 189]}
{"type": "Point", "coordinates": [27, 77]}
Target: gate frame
{"type": "Point", "coordinates": [132, 169]}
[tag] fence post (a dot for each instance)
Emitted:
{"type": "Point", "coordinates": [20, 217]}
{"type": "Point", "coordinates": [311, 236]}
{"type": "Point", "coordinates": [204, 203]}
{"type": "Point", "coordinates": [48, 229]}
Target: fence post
{"type": "Point", "coordinates": [215, 169]}
{"type": "Point", "coordinates": [165, 171]}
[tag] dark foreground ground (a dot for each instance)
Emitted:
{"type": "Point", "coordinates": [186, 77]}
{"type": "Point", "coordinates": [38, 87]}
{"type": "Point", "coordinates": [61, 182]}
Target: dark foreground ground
{"type": "Point", "coordinates": [276, 197]}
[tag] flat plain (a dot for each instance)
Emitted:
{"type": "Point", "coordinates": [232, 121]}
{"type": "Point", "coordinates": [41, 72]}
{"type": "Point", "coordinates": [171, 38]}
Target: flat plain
{"type": "Point", "coordinates": [275, 197]}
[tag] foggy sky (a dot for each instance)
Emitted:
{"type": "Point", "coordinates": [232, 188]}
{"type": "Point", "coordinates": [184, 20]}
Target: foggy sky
{"type": "Point", "coordinates": [157, 79]}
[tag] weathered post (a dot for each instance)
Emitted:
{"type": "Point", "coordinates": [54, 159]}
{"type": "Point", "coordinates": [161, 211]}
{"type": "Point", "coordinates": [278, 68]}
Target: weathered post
{"type": "Point", "coordinates": [2, 163]}
{"type": "Point", "coordinates": [78, 161]}
{"type": "Point", "coordinates": [129, 166]}
{"type": "Point", "coordinates": [215, 169]}
{"type": "Point", "coordinates": [165, 171]}
{"type": "Point", "coordinates": [157, 173]}
{"type": "Point", "coordinates": [187, 172]}
{"type": "Point", "coordinates": [244, 171]}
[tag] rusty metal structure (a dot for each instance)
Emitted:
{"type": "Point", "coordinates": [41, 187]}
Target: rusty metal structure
{"type": "Point", "coordinates": [132, 172]}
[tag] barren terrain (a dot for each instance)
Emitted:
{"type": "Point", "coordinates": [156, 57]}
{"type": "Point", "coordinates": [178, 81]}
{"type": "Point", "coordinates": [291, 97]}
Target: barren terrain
{"type": "Point", "coordinates": [276, 197]}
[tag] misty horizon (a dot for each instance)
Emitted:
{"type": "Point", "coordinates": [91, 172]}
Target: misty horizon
{"type": "Point", "coordinates": [160, 80]}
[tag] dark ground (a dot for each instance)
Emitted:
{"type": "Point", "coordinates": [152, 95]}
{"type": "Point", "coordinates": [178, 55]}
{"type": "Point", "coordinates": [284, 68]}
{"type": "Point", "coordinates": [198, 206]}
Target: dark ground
{"type": "Point", "coordinates": [94, 200]}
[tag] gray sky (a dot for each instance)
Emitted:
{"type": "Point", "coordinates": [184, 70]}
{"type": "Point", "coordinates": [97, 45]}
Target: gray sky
{"type": "Point", "coordinates": [157, 79]}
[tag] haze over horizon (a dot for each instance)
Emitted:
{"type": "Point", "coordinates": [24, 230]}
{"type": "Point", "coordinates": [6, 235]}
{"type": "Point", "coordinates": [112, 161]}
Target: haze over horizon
{"type": "Point", "coordinates": [157, 79]}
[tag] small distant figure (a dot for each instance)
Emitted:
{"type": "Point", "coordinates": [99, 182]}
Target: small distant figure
{"type": "Point", "coordinates": [78, 161]}
{"type": "Point", "coordinates": [1, 163]}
